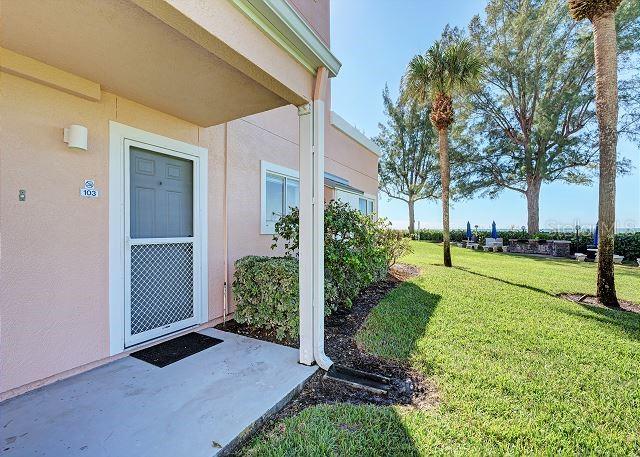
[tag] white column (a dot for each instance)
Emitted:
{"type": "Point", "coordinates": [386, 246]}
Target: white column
{"type": "Point", "coordinates": [306, 242]}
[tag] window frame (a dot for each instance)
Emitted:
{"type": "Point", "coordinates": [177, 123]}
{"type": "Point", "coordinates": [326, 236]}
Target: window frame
{"type": "Point", "coordinates": [268, 228]}
{"type": "Point", "coordinates": [371, 204]}
{"type": "Point", "coordinates": [370, 199]}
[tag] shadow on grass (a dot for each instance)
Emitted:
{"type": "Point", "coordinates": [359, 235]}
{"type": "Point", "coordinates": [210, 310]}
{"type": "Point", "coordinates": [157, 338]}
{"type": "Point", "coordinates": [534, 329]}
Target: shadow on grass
{"type": "Point", "coordinates": [504, 281]}
{"type": "Point", "coordinates": [394, 327]}
{"type": "Point", "coordinates": [627, 321]}
{"type": "Point", "coordinates": [341, 429]}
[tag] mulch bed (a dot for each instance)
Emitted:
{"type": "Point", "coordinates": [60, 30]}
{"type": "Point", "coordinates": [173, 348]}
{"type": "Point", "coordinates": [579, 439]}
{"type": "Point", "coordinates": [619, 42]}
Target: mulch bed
{"type": "Point", "coordinates": [591, 300]}
{"type": "Point", "coordinates": [408, 387]}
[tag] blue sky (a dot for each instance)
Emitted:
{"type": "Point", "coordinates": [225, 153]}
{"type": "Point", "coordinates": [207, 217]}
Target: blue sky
{"type": "Point", "coordinates": [375, 39]}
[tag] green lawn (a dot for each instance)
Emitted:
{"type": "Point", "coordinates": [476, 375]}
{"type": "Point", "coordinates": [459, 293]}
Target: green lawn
{"type": "Point", "coordinates": [519, 370]}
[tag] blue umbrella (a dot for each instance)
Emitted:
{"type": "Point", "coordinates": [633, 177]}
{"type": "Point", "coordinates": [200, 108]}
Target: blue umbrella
{"type": "Point", "coordinates": [469, 234]}
{"type": "Point", "coordinates": [494, 231]}
{"type": "Point", "coordinates": [595, 234]}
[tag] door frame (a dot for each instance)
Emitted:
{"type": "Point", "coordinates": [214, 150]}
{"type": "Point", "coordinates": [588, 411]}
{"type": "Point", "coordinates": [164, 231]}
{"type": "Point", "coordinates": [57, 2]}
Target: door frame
{"type": "Point", "coordinates": [119, 135]}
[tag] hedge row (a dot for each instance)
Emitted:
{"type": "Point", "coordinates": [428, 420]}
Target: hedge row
{"type": "Point", "coordinates": [358, 251]}
{"type": "Point", "coordinates": [626, 244]}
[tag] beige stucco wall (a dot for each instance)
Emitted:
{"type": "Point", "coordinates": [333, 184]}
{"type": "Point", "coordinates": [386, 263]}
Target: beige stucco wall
{"type": "Point", "coordinates": [54, 264]}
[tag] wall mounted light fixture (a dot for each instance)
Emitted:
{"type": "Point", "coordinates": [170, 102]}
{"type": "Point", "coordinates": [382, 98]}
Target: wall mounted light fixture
{"type": "Point", "coordinates": [76, 136]}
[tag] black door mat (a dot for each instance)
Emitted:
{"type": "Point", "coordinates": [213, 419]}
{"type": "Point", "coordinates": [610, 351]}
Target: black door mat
{"type": "Point", "coordinates": [166, 353]}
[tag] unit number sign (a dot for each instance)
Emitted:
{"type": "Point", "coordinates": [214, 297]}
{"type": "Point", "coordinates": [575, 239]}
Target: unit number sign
{"type": "Point", "coordinates": [89, 190]}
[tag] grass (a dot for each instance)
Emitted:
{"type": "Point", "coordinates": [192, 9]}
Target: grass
{"type": "Point", "coordinates": [519, 370]}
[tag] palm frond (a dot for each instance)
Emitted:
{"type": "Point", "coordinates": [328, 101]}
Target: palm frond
{"type": "Point", "coordinates": [589, 9]}
{"type": "Point", "coordinates": [443, 69]}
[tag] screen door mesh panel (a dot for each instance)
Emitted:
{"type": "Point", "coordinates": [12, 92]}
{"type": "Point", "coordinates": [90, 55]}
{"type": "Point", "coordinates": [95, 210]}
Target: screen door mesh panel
{"type": "Point", "coordinates": [161, 285]}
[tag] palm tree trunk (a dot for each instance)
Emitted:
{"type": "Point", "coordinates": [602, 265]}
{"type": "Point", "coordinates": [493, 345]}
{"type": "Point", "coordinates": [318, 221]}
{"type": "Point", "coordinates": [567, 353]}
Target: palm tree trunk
{"type": "Point", "coordinates": [533, 206]}
{"type": "Point", "coordinates": [411, 204]}
{"type": "Point", "coordinates": [445, 177]}
{"type": "Point", "coordinates": [604, 37]}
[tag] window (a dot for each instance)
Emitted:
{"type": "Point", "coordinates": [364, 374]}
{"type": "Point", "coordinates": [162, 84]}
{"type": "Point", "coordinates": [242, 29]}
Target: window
{"type": "Point", "coordinates": [280, 193]}
{"type": "Point", "coordinates": [362, 202]}
{"type": "Point", "coordinates": [362, 206]}
{"type": "Point", "coordinates": [365, 205]}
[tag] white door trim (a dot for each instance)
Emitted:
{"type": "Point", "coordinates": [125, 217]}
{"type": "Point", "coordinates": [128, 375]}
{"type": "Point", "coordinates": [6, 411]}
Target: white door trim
{"type": "Point", "coordinates": [118, 134]}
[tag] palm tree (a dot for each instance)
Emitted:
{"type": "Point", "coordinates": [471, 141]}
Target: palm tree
{"type": "Point", "coordinates": [437, 76]}
{"type": "Point", "coordinates": [601, 13]}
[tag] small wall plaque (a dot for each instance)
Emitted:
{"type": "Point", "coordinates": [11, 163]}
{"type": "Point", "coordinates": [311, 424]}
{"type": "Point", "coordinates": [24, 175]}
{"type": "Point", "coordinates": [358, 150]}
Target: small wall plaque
{"type": "Point", "coordinates": [89, 193]}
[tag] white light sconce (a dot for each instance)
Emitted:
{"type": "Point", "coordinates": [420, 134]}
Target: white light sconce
{"type": "Point", "coordinates": [76, 136]}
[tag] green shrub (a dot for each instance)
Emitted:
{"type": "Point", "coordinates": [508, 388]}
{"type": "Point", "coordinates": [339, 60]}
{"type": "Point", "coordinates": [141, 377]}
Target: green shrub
{"type": "Point", "coordinates": [628, 245]}
{"type": "Point", "coordinates": [430, 235]}
{"type": "Point", "coordinates": [357, 252]}
{"type": "Point", "coordinates": [266, 294]}
{"type": "Point", "coordinates": [395, 245]}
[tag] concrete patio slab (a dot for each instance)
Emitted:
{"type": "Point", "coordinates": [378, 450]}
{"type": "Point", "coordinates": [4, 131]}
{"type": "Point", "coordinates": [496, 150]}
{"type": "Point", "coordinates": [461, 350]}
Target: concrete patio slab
{"type": "Point", "coordinates": [194, 407]}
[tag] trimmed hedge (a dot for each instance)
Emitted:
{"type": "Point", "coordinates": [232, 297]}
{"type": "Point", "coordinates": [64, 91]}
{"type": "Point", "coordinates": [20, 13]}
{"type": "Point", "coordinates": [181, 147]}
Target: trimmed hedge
{"type": "Point", "coordinates": [358, 251]}
{"type": "Point", "coordinates": [626, 244]}
{"type": "Point", "coordinates": [266, 294]}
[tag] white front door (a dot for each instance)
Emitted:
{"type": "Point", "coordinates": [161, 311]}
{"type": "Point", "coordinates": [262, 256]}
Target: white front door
{"type": "Point", "coordinates": [162, 242]}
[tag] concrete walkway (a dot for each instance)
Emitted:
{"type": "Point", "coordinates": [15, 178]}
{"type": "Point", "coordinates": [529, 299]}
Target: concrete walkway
{"type": "Point", "coordinates": [192, 408]}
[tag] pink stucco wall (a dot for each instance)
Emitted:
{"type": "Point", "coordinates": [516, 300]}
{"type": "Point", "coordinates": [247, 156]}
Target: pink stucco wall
{"type": "Point", "coordinates": [54, 259]}
{"type": "Point", "coordinates": [348, 159]}
{"type": "Point", "coordinates": [54, 262]}
{"type": "Point", "coordinates": [54, 279]}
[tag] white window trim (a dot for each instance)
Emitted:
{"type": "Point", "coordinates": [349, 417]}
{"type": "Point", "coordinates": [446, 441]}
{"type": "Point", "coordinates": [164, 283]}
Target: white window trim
{"type": "Point", "coordinates": [369, 197]}
{"type": "Point", "coordinates": [268, 167]}
{"type": "Point", "coordinates": [118, 134]}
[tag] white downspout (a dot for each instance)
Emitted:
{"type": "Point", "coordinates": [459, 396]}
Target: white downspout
{"type": "Point", "coordinates": [319, 93]}
{"type": "Point", "coordinates": [225, 236]}
{"type": "Point", "coordinates": [311, 240]}
{"type": "Point", "coordinates": [305, 240]}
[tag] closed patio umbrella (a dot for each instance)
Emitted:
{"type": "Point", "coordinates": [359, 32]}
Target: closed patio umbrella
{"type": "Point", "coordinates": [494, 231]}
{"type": "Point", "coordinates": [469, 234]}
{"type": "Point", "coordinates": [595, 235]}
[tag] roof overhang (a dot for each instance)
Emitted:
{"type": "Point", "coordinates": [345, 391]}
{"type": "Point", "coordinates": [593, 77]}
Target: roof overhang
{"type": "Point", "coordinates": [338, 122]}
{"type": "Point", "coordinates": [282, 23]}
{"type": "Point", "coordinates": [167, 55]}
{"type": "Point", "coordinates": [336, 182]}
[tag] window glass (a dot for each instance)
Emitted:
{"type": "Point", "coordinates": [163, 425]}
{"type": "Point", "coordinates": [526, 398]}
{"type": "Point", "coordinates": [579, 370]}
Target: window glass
{"type": "Point", "coordinates": [275, 201]}
{"type": "Point", "coordinates": [362, 206]}
{"type": "Point", "coordinates": [293, 194]}
{"type": "Point", "coordinates": [370, 206]}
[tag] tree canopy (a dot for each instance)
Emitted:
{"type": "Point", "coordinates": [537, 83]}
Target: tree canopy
{"type": "Point", "coordinates": [533, 118]}
{"type": "Point", "coordinates": [408, 168]}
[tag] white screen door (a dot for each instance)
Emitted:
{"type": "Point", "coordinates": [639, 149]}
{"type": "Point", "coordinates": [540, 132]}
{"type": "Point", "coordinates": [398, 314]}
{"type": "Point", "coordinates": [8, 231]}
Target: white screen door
{"type": "Point", "coordinates": [161, 242]}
